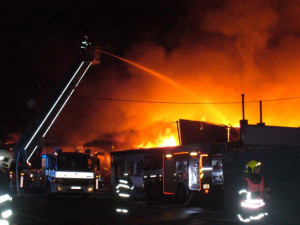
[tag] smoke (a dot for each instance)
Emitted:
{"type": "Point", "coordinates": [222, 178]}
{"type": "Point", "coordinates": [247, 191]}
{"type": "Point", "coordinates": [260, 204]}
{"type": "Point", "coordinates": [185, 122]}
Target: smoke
{"type": "Point", "coordinates": [222, 51]}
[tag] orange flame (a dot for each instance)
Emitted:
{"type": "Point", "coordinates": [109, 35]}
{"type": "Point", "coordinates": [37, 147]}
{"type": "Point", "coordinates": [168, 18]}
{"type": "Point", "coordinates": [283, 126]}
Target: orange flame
{"type": "Point", "coordinates": [163, 141]}
{"type": "Point", "coordinates": [242, 51]}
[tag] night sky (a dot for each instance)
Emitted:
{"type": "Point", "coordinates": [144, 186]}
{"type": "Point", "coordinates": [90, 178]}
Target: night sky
{"type": "Point", "coordinates": [40, 39]}
{"type": "Point", "coordinates": [244, 45]}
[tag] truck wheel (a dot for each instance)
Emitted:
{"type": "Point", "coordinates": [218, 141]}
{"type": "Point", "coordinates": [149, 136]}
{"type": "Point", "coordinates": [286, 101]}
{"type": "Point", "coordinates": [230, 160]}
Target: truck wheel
{"type": "Point", "coordinates": [181, 194]}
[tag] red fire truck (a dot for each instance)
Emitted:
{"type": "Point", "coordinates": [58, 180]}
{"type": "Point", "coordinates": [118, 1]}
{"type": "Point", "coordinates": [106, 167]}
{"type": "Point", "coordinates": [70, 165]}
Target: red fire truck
{"type": "Point", "coordinates": [184, 170]}
{"type": "Point", "coordinates": [176, 171]}
{"type": "Point", "coordinates": [193, 167]}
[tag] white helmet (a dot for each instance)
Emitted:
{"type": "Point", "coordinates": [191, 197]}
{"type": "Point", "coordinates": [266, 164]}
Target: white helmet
{"type": "Point", "coordinates": [5, 159]}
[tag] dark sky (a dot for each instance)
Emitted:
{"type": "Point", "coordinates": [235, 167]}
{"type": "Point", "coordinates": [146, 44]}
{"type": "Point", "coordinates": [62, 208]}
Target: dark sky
{"type": "Point", "coordinates": [40, 38]}
{"type": "Point", "coordinates": [216, 49]}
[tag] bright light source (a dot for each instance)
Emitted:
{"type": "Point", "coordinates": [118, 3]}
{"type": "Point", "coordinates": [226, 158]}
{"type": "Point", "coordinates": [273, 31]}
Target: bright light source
{"type": "Point", "coordinates": [75, 187]}
{"type": "Point", "coordinates": [1, 157]}
{"type": "Point", "coordinates": [193, 153]}
{"type": "Point", "coordinates": [207, 168]}
{"type": "Point", "coordinates": [90, 189]}
{"type": "Point", "coordinates": [168, 156]}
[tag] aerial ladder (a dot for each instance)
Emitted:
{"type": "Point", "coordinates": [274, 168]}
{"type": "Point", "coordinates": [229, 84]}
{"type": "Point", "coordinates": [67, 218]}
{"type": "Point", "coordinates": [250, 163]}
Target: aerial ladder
{"type": "Point", "coordinates": [33, 137]}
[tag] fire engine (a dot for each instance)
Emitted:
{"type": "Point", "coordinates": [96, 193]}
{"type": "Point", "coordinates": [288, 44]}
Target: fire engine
{"type": "Point", "coordinates": [178, 171]}
{"type": "Point", "coordinates": [30, 144]}
{"type": "Point", "coordinates": [68, 173]}
{"type": "Point", "coordinates": [32, 140]}
{"type": "Point", "coordinates": [185, 170]}
{"type": "Point", "coordinates": [194, 167]}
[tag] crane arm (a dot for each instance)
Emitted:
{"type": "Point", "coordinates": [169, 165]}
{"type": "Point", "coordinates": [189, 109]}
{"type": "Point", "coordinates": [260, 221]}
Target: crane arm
{"type": "Point", "coordinates": [32, 138]}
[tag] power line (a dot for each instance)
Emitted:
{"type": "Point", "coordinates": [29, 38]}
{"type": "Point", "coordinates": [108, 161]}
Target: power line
{"type": "Point", "coordinates": [274, 100]}
{"type": "Point", "coordinates": [182, 103]}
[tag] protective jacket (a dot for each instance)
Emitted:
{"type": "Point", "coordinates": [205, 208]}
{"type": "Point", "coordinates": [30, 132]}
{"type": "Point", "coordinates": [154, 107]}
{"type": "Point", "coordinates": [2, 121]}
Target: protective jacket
{"type": "Point", "coordinates": [123, 189]}
{"type": "Point", "coordinates": [5, 198]}
{"type": "Point", "coordinates": [253, 187]}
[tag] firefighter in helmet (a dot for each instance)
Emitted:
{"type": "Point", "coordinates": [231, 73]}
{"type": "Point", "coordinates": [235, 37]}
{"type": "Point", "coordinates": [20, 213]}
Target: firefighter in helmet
{"type": "Point", "coordinates": [5, 197]}
{"type": "Point", "coordinates": [253, 194]}
{"type": "Point", "coordinates": [123, 191]}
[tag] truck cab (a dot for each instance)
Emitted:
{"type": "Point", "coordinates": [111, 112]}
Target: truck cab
{"type": "Point", "coordinates": [68, 173]}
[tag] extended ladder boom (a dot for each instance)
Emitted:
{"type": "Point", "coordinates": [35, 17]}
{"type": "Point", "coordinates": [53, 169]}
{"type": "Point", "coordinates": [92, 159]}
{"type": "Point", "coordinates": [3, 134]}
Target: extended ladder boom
{"type": "Point", "coordinates": [32, 138]}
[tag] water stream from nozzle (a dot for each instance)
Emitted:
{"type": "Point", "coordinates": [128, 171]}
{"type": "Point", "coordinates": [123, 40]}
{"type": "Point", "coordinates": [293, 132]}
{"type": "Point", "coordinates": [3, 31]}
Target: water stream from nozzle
{"type": "Point", "coordinates": [156, 74]}
{"type": "Point", "coordinates": [164, 78]}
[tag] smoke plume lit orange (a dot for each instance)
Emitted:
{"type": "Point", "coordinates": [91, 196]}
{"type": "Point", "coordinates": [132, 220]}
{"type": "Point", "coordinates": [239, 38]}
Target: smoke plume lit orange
{"type": "Point", "coordinates": [250, 47]}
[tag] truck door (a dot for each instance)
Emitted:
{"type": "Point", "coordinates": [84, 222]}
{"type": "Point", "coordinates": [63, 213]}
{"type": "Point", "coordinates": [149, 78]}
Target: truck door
{"type": "Point", "coordinates": [168, 174]}
{"type": "Point", "coordinates": [194, 174]}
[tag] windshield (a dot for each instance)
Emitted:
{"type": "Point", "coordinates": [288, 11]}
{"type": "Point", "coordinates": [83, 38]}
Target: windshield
{"type": "Point", "coordinates": [74, 162]}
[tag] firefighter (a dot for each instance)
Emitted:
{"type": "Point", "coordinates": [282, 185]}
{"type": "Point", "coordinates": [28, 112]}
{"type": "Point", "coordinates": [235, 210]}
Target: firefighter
{"type": "Point", "coordinates": [253, 194]}
{"type": "Point", "coordinates": [5, 198]}
{"type": "Point", "coordinates": [123, 189]}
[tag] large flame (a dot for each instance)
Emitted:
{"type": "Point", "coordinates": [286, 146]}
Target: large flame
{"type": "Point", "coordinates": [165, 140]}
{"type": "Point", "coordinates": [239, 47]}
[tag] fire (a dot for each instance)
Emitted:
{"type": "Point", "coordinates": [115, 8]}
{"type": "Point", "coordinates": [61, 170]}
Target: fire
{"type": "Point", "coordinates": [161, 142]}
{"type": "Point", "coordinates": [168, 141]}
{"type": "Point", "coordinates": [241, 51]}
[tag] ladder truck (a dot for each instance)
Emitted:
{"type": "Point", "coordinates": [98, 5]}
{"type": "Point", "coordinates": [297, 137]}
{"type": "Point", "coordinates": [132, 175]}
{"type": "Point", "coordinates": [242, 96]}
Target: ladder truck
{"type": "Point", "coordinates": [68, 173]}
{"type": "Point", "coordinates": [33, 137]}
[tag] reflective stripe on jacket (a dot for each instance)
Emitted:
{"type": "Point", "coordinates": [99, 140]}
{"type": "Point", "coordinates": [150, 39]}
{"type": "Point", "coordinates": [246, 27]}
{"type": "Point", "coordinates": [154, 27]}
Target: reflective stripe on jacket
{"type": "Point", "coordinates": [255, 187]}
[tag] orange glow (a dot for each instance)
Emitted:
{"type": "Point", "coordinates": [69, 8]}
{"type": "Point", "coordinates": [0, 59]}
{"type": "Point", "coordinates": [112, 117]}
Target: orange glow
{"type": "Point", "coordinates": [154, 73]}
{"type": "Point", "coordinates": [243, 52]}
{"type": "Point", "coordinates": [161, 141]}
{"type": "Point", "coordinates": [181, 153]}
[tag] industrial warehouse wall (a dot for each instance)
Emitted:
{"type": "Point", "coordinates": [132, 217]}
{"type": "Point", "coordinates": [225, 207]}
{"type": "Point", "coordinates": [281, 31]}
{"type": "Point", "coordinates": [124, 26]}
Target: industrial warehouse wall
{"type": "Point", "coordinates": [282, 172]}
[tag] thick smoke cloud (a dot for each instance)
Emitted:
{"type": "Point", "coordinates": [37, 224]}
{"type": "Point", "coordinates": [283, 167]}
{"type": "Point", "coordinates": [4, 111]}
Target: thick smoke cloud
{"type": "Point", "coordinates": [250, 47]}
